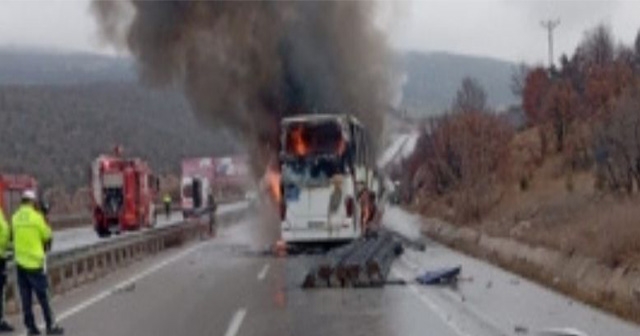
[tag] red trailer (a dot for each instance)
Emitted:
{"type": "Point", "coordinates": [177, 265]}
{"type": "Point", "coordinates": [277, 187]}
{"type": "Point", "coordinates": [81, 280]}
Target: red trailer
{"type": "Point", "coordinates": [11, 188]}
{"type": "Point", "coordinates": [123, 193]}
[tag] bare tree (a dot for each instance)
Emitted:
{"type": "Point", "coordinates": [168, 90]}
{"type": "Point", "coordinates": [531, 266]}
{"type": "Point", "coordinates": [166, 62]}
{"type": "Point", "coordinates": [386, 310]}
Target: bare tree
{"type": "Point", "coordinates": [636, 52]}
{"type": "Point", "coordinates": [618, 144]}
{"type": "Point", "coordinates": [518, 79]}
{"type": "Point", "coordinates": [598, 46]}
{"type": "Point", "coordinates": [471, 97]}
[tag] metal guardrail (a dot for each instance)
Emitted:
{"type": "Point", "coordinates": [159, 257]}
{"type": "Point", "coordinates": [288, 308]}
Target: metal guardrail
{"type": "Point", "coordinates": [70, 221]}
{"type": "Point", "coordinates": [72, 268]}
{"type": "Point", "coordinates": [60, 221]}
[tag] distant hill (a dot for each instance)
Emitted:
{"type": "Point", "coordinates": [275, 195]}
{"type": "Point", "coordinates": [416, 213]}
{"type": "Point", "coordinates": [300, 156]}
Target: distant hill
{"type": "Point", "coordinates": [434, 78]}
{"type": "Point", "coordinates": [54, 132]}
{"type": "Point", "coordinates": [59, 110]}
{"type": "Point", "coordinates": [27, 66]}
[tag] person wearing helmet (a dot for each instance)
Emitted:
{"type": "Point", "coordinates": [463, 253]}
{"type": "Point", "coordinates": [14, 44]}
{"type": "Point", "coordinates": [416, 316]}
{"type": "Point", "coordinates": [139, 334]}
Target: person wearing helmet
{"type": "Point", "coordinates": [31, 235]}
{"type": "Point", "coordinates": [5, 236]}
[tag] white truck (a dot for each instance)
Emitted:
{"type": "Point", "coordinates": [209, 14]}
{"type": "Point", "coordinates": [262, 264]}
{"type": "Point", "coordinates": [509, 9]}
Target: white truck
{"type": "Point", "coordinates": [195, 185]}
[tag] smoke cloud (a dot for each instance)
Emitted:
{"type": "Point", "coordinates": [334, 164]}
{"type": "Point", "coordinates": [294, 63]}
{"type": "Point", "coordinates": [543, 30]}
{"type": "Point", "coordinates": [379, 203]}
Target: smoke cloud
{"type": "Point", "coordinates": [245, 65]}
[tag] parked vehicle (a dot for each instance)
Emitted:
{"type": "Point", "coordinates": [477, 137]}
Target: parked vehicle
{"type": "Point", "coordinates": [328, 185]}
{"type": "Point", "coordinates": [123, 193]}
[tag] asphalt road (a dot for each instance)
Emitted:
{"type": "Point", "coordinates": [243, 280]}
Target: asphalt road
{"type": "Point", "coordinates": [221, 287]}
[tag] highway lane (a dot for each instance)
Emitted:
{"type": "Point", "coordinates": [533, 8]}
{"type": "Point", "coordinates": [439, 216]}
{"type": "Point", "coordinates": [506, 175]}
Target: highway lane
{"type": "Point", "coordinates": [84, 236]}
{"type": "Point", "coordinates": [221, 288]}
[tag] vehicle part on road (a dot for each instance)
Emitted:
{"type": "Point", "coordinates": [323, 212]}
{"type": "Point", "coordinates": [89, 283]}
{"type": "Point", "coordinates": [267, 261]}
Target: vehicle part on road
{"type": "Point", "coordinates": [447, 275]}
{"type": "Point", "coordinates": [414, 244]}
{"type": "Point", "coordinates": [520, 329]}
{"type": "Point", "coordinates": [562, 332]}
{"type": "Point", "coordinates": [365, 262]}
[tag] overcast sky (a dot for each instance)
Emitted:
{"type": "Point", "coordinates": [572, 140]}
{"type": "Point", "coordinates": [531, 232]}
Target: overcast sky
{"type": "Point", "coordinates": [507, 29]}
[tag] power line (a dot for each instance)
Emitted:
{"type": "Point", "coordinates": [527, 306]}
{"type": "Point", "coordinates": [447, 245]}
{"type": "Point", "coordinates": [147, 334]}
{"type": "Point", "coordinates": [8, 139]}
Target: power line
{"type": "Point", "coordinates": [550, 25]}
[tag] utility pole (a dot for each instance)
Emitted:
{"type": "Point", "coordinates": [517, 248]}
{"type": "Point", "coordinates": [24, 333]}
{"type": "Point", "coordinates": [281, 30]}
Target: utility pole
{"type": "Point", "coordinates": [550, 25]}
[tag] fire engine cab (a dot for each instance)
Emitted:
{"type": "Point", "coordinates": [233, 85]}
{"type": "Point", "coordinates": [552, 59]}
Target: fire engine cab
{"type": "Point", "coordinates": [123, 193]}
{"type": "Point", "coordinates": [11, 188]}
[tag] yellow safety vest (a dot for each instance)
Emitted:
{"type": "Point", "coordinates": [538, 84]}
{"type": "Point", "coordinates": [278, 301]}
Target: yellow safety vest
{"type": "Point", "coordinates": [30, 234]}
{"type": "Point", "coordinates": [5, 234]}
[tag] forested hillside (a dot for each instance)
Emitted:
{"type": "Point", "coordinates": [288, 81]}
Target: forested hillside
{"type": "Point", "coordinates": [53, 132]}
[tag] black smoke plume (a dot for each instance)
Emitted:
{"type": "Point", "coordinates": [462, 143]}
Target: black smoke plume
{"type": "Point", "coordinates": [245, 65]}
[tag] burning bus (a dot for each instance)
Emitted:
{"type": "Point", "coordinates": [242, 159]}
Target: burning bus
{"type": "Point", "coordinates": [328, 187]}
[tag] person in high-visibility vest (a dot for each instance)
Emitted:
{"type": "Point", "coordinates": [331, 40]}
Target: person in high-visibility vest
{"type": "Point", "coordinates": [167, 205]}
{"type": "Point", "coordinates": [31, 237]}
{"type": "Point", "coordinates": [5, 236]}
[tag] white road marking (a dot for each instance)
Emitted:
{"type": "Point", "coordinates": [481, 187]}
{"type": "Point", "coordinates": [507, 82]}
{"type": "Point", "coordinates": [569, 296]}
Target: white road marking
{"type": "Point", "coordinates": [102, 295]}
{"type": "Point", "coordinates": [431, 305]}
{"type": "Point", "coordinates": [263, 272]}
{"type": "Point", "coordinates": [236, 322]}
{"type": "Point", "coordinates": [476, 313]}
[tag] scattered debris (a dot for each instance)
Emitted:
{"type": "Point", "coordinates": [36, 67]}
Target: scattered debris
{"type": "Point", "coordinates": [442, 276]}
{"type": "Point", "coordinates": [519, 329]}
{"type": "Point", "coordinates": [489, 284]}
{"type": "Point", "coordinates": [562, 332]}
{"type": "Point", "coordinates": [128, 288]}
{"type": "Point", "coordinates": [414, 244]}
{"type": "Point", "coordinates": [365, 262]}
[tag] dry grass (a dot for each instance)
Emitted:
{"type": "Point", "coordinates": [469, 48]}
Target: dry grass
{"type": "Point", "coordinates": [559, 209]}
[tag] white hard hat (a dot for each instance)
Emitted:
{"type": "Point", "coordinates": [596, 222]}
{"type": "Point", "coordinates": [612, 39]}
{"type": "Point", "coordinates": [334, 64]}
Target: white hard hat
{"type": "Point", "coordinates": [29, 195]}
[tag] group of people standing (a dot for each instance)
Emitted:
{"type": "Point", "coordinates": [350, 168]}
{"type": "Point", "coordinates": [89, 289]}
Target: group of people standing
{"type": "Point", "coordinates": [30, 236]}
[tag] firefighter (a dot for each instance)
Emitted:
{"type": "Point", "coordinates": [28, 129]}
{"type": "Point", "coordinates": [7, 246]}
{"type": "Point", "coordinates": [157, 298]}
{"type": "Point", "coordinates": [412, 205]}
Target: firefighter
{"type": "Point", "coordinates": [212, 213]}
{"type": "Point", "coordinates": [32, 236]}
{"type": "Point", "coordinates": [5, 236]}
{"type": "Point", "coordinates": [167, 205]}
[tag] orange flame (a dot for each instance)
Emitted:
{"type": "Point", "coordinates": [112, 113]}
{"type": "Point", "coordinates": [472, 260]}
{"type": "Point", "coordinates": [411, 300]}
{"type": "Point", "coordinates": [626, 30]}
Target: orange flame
{"type": "Point", "coordinates": [272, 179]}
{"type": "Point", "coordinates": [299, 146]}
{"type": "Point", "coordinates": [342, 146]}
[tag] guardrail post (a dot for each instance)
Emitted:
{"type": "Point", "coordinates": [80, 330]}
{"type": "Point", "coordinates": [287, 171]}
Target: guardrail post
{"type": "Point", "coordinates": [91, 266]}
{"type": "Point", "coordinates": [55, 279]}
{"type": "Point", "coordinates": [11, 295]}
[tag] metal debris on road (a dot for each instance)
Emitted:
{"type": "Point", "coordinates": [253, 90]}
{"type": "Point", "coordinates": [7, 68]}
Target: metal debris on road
{"type": "Point", "coordinates": [365, 262]}
{"type": "Point", "coordinates": [128, 288]}
{"type": "Point", "coordinates": [562, 332]}
{"type": "Point", "coordinates": [447, 275]}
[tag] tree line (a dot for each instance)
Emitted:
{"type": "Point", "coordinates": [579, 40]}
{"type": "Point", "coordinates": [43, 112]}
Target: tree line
{"type": "Point", "coordinates": [585, 110]}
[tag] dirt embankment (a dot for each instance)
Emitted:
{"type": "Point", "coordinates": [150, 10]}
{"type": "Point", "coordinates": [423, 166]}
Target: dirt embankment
{"type": "Point", "coordinates": [555, 224]}
{"type": "Point", "coordinates": [616, 289]}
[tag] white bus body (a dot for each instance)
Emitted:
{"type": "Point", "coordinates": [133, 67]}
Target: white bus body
{"type": "Point", "coordinates": [324, 165]}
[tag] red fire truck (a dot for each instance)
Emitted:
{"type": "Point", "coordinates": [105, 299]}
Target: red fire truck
{"type": "Point", "coordinates": [11, 188]}
{"type": "Point", "coordinates": [123, 193]}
